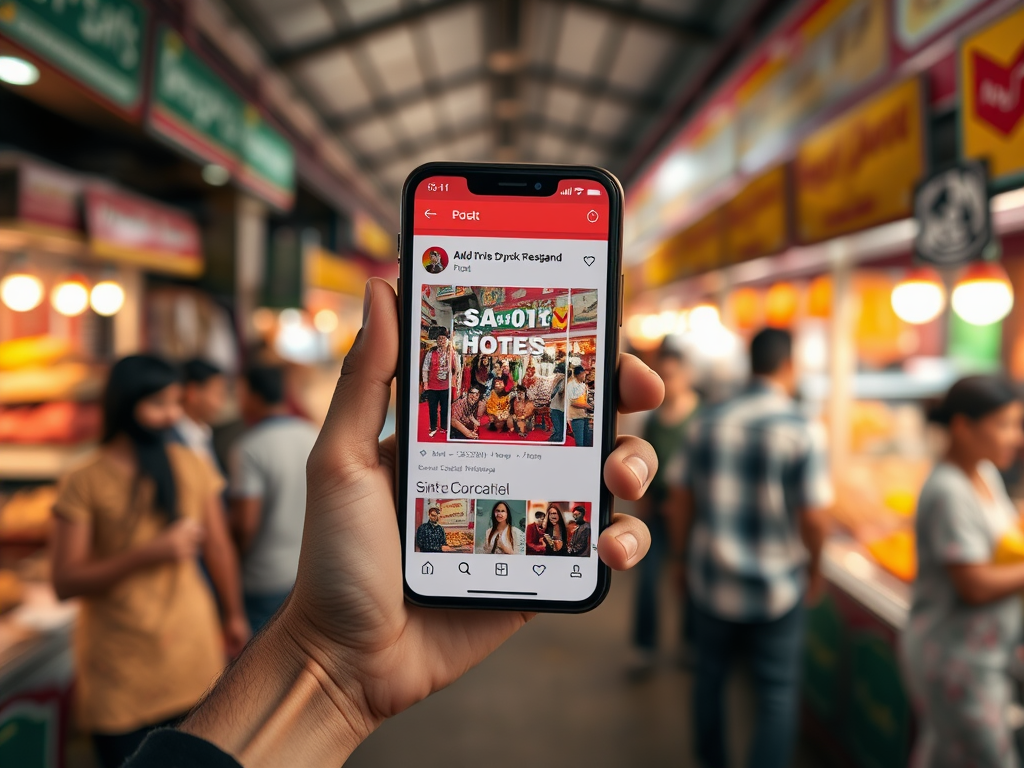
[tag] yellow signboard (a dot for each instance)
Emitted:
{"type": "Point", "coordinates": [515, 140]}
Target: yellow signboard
{"type": "Point", "coordinates": [757, 219]}
{"type": "Point", "coordinates": [696, 249]}
{"type": "Point", "coordinates": [860, 170]}
{"type": "Point", "coordinates": [334, 273]}
{"type": "Point", "coordinates": [992, 92]}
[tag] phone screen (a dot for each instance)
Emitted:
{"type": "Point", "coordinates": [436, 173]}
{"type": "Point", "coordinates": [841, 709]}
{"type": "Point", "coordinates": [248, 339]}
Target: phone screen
{"type": "Point", "coordinates": [507, 391]}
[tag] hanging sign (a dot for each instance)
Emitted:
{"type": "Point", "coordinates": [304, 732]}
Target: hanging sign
{"type": "Point", "coordinates": [992, 94]}
{"type": "Point", "coordinates": [99, 44]}
{"type": "Point", "coordinates": [196, 111]}
{"type": "Point", "coordinates": [124, 227]}
{"type": "Point", "coordinates": [952, 210]}
{"type": "Point", "coordinates": [757, 219]}
{"type": "Point", "coordinates": [861, 169]}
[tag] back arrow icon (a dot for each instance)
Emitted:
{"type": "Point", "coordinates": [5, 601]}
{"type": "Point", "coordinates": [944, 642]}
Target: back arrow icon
{"type": "Point", "coordinates": [428, 213]}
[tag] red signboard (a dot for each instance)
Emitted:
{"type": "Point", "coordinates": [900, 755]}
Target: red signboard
{"type": "Point", "coordinates": [127, 228]}
{"type": "Point", "coordinates": [48, 196]}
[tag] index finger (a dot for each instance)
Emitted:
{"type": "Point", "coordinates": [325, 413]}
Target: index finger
{"type": "Point", "coordinates": [640, 388]}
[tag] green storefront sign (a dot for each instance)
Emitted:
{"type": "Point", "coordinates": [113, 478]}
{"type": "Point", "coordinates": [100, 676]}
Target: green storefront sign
{"type": "Point", "coordinates": [193, 108]}
{"type": "Point", "coordinates": [98, 43]}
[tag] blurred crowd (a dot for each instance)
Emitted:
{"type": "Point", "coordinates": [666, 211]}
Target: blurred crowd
{"type": "Point", "coordinates": [179, 551]}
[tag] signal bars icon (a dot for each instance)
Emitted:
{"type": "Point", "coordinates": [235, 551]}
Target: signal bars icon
{"type": "Point", "coordinates": [566, 191]}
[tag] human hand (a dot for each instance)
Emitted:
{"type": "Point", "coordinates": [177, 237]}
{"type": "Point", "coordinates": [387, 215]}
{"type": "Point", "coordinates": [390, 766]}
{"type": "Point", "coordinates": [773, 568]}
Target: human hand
{"type": "Point", "coordinates": [181, 540]}
{"type": "Point", "coordinates": [236, 632]}
{"type": "Point", "coordinates": [375, 653]}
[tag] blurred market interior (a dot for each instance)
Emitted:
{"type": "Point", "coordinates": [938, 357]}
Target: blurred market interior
{"type": "Point", "coordinates": [219, 178]}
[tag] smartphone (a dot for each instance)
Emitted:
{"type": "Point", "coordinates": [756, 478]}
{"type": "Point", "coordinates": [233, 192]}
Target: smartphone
{"type": "Point", "coordinates": [509, 294]}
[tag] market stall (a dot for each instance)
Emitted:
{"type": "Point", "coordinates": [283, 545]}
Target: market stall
{"type": "Point", "coordinates": [804, 218]}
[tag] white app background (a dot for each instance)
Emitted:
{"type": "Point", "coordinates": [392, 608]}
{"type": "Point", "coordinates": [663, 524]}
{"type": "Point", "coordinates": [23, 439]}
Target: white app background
{"type": "Point", "coordinates": [552, 472]}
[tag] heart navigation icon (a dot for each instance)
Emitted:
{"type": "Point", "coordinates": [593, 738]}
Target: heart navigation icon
{"type": "Point", "coordinates": [539, 569]}
{"type": "Point", "coordinates": [588, 260]}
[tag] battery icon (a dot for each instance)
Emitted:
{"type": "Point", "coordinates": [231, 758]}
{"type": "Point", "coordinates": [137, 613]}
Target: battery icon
{"type": "Point", "coordinates": [594, 192]}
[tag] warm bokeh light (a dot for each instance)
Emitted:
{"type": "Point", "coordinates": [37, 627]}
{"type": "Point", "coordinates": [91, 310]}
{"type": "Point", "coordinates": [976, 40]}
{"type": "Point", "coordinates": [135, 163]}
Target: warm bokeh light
{"type": "Point", "coordinates": [920, 297]}
{"type": "Point", "coordinates": [290, 317]}
{"type": "Point", "coordinates": [70, 298]}
{"type": "Point", "coordinates": [819, 299]}
{"type": "Point", "coordinates": [705, 317]}
{"type": "Point", "coordinates": [106, 298]}
{"type": "Point", "coordinates": [17, 71]}
{"type": "Point", "coordinates": [21, 292]}
{"type": "Point", "coordinates": [264, 320]}
{"type": "Point", "coordinates": [781, 304]}
{"type": "Point", "coordinates": [325, 321]}
{"type": "Point", "coordinates": [983, 294]}
{"type": "Point", "coordinates": [745, 306]}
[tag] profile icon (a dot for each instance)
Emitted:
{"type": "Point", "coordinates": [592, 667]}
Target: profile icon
{"type": "Point", "coordinates": [435, 260]}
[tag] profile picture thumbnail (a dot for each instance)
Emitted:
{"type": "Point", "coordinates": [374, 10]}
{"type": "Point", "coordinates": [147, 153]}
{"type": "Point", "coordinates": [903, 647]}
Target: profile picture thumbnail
{"type": "Point", "coordinates": [435, 260]}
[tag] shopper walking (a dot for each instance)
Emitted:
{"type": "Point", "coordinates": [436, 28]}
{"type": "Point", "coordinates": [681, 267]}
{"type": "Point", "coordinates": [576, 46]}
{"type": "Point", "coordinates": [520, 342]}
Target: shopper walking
{"type": "Point", "coordinates": [268, 490]}
{"type": "Point", "coordinates": [754, 488]}
{"type": "Point", "coordinates": [128, 527]}
{"type": "Point", "coordinates": [965, 618]}
{"type": "Point", "coordinates": [204, 394]}
{"type": "Point", "coordinates": [664, 429]}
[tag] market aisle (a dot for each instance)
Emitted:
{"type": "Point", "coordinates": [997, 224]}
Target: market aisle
{"type": "Point", "coordinates": [555, 695]}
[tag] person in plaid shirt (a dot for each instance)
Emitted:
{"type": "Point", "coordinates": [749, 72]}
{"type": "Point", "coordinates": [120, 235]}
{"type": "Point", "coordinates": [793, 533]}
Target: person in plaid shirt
{"type": "Point", "coordinates": [752, 490]}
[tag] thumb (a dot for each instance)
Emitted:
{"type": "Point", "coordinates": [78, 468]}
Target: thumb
{"type": "Point", "coordinates": [348, 440]}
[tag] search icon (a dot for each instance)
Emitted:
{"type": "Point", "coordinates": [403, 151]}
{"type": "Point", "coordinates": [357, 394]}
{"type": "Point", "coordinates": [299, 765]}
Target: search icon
{"type": "Point", "coordinates": [464, 568]}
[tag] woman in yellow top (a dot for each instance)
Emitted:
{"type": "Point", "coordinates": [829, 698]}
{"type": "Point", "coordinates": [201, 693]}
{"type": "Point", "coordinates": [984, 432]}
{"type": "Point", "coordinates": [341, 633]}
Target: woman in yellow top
{"type": "Point", "coordinates": [129, 525]}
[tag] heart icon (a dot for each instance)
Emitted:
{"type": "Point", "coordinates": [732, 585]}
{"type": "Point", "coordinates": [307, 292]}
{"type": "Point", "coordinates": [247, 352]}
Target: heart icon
{"type": "Point", "coordinates": [588, 260]}
{"type": "Point", "coordinates": [539, 569]}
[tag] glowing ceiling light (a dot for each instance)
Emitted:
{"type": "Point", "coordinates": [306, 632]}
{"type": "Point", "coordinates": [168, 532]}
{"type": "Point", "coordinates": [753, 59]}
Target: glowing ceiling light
{"type": "Point", "coordinates": [18, 71]}
{"type": "Point", "coordinates": [983, 295]}
{"type": "Point", "coordinates": [216, 175]}
{"type": "Point", "coordinates": [21, 292]}
{"type": "Point", "coordinates": [70, 298]}
{"type": "Point", "coordinates": [325, 321]}
{"type": "Point", "coordinates": [920, 297]}
{"type": "Point", "coordinates": [106, 298]}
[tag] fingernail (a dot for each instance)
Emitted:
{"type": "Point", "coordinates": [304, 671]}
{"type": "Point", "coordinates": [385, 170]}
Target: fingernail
{"type": "Point", "coordinates": [639, 468]}
{"type": "Point", "coordinates": [629, 543]}
{"type": "Point", "coordinates": [367, 299]}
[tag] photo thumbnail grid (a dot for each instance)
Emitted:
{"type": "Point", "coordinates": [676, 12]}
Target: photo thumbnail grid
{"type": "Point", "coordinates": [507, 365]}
{"type": "Point", "coordinates": [504, 527]}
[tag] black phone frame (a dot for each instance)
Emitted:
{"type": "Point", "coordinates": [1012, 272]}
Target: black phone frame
{"type": "Point", "coordinates": [487, 176]}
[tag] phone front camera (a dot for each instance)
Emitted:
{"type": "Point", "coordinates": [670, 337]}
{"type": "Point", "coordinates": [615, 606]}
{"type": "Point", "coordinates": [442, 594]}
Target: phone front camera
{"type": "Point", "coordinates": [537, 186]}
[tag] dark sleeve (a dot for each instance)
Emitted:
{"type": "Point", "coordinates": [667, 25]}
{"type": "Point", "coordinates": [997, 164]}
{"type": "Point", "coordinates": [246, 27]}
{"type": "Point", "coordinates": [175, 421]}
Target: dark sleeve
{"type": "Point", "coordinates": [168, 748]}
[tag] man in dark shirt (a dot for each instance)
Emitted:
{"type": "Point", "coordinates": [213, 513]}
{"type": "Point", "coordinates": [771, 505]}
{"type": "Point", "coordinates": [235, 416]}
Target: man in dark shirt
{"type": "Point", "coordinates": [430, 536]}
{"type": "Point", "coordinates": [579, 541]}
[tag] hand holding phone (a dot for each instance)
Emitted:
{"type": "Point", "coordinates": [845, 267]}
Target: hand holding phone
{"type": "Point", "coordinates": [512, 274]}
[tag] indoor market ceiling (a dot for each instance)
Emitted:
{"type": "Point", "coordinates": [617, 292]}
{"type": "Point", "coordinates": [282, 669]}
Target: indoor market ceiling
{"type": "Point", "coordinates": [402, 82]}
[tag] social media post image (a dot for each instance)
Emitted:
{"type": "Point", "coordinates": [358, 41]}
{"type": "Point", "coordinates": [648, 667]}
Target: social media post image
{"type": "Point", "coordinates": [444, 525]}
{"type": "Point", "coordinates": [504, 527]}
{"type": "Point", "coordinates": [507, 364]}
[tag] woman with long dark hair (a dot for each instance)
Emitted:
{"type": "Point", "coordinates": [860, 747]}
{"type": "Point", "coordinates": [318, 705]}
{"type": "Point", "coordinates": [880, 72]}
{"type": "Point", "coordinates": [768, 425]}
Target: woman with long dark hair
{"type": "Point", "coordinates": [503, 537]}
{"type": "Point", "coordinates": [129, 526]}
{"type": "Point", "coordinates": [556, 535]}
{"type": "Point", "coordinates": [965, 619]}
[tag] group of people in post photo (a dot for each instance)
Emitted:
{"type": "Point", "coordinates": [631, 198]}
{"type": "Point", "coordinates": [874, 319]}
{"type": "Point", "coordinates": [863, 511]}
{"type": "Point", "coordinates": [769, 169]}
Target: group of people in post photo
{"type": "Point", "coordinates": [504, 527]}
{"type": "Point", "coordinates": [507, 365]}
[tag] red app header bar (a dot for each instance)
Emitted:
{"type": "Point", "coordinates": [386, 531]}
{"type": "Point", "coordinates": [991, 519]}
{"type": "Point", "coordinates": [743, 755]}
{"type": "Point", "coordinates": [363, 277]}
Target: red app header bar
{"type": "Point", "coordinates": [577, 211]}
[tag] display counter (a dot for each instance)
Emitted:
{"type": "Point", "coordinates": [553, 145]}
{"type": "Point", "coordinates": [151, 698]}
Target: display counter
{"type": "Point", "coordinates": [855, 707]}
{"type": "Point", "coordinates": [36, 672]}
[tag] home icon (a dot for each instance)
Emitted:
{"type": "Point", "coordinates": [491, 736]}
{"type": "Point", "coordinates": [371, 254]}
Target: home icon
{"type": "Point", "coordinates": [427, 568]}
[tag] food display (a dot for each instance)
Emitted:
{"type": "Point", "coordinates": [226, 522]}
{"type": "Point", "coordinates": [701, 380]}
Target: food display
{"type": "Point", "coordinates": [26, 515]}
{"type": "Point", "coordinates": [460, 540]}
